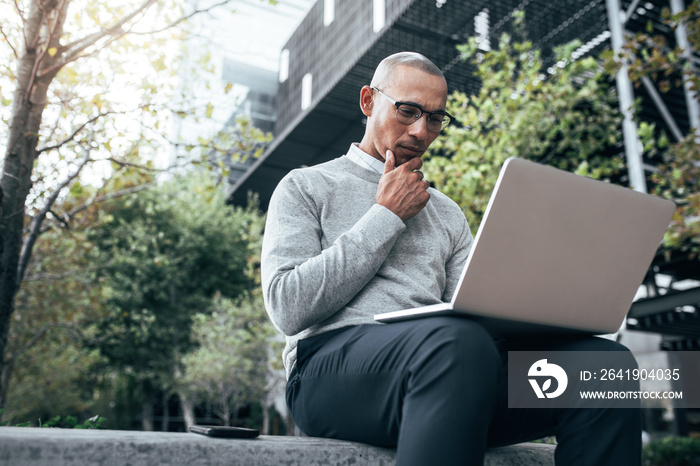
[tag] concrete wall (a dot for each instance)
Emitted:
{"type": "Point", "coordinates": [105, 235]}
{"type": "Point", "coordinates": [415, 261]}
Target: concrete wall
{"type": "Point", "coordinates": [26, 446]}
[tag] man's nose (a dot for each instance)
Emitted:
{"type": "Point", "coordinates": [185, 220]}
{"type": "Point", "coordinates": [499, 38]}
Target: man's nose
{"type": "Point", "coordinates": [419, 128]}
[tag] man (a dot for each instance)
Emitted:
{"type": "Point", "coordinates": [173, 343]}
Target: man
{"type": "Point", "coordinates": [364, 234]}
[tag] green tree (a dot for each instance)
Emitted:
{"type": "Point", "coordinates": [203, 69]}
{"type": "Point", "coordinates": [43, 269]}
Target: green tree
{"type": "Point", "coordinates": [51, 371]}
{"type": "Point", "coordinates": [86, 93]}
{"type": "Point", "coordinates": [161, 257]}
{"type": "Point", "coordinates": [231, 366]}
{"type": "Point", "coordinates": [562, 119]}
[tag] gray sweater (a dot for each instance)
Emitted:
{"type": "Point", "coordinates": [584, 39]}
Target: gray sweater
{"type": "Point", "coordinates": [332, 257]}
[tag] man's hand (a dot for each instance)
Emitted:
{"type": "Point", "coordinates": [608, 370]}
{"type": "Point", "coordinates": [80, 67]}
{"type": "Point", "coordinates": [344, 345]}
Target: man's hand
{"type": "Point", "coordinates": [402, 189]}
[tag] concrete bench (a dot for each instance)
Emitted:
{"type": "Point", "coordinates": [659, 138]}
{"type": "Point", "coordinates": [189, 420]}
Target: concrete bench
{"type": "Point", "coordinates": [24, 446]}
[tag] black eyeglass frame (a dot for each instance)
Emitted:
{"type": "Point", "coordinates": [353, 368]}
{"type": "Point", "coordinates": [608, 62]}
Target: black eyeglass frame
{"type": "Point", "coordinates": [397, 104]}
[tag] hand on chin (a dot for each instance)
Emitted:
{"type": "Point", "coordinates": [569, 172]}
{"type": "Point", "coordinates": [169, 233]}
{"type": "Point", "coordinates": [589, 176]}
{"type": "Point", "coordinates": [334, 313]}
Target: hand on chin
{"type": "Point", "coordinates": [404, 154]}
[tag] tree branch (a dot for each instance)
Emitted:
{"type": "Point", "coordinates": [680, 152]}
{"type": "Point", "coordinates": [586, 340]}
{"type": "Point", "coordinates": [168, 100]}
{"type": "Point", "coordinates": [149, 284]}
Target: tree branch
{"type": "Point", "coordinates": [74, 49]}
{"type": "Point", "coordinates": [72, 135]}
{"type": "Point", "coordinates": [38, 220]}
{"type": "Point", "coordinates": [20, 11]}
{"type": "Point", "coordinates": [30, 343]}
{"type": "Point", "coordinates": [52, 37]}
{"type": "Point", "coordinates": [124, 163]}
{"type": "Point", "coordinates": [39, 57]}
{"type": "Point", "coordinates": [42, 331]}
{"type": "Point", "coordinates": [59, 218]}
{"type": "Point", "coordinates": [182, 18]}
{"type": "Point", "coordinates": [73, 58]}
{"type": "Point", "coordinates": [68, 216]}
{"type": "Point", "coordinates": [106, 197]}
{"type": "Point", "coordinates": [7, 40]}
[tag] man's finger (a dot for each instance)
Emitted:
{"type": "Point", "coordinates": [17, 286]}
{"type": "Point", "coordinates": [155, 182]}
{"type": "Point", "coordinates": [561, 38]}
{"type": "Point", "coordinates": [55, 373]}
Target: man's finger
{"type": "Point", "coordinates": [413, 164]}
{"type": "Point", "coordinates": [390, 162]}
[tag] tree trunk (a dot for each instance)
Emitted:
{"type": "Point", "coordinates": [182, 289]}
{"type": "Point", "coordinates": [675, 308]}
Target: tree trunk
{"type": "Point", "coordinates": [7, 369]}
{"type": "Point", "coordinates": [226, 411]}
{"type": "Point", "coordinates": [266, 420]}
{"type": "Point", "coordinates": [147, 414]}
{"type": "Point", "coordinates": [29, 101]}
{"type": "Point", "coordinates": [187, 410]}
{"type": "Point", "coordinates": [166, 413]}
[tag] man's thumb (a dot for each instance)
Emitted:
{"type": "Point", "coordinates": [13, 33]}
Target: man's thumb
{"type": "Point", "coordinates": [389, 163]}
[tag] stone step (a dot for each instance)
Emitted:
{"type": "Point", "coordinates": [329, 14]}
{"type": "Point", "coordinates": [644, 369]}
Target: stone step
{"type": "Point", "coordinates": [26, 446]}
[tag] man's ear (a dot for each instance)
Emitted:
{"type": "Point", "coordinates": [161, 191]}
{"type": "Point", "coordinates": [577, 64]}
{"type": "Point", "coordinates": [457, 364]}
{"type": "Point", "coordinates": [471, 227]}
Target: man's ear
{"type": "Point", "coordinates": [366, 100]}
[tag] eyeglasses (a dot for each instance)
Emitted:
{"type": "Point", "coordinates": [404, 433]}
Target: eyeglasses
{"type": "Point", "coordinates": [408, 114]}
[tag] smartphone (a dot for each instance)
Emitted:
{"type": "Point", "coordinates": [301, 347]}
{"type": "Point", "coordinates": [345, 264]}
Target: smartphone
{"type": "Point", "coordinates": [225, 432]}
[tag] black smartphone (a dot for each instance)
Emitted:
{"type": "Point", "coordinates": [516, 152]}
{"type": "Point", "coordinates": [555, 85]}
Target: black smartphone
{"type": "Point", "coordinates": [225, 432]}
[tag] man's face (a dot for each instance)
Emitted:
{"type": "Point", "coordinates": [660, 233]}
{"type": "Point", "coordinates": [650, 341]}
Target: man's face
{"type": "Point", "coordinates": [385, 132]}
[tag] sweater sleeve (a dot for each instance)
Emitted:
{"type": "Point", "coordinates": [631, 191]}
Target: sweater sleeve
{"type": "Point", "coordinates": [304, 284]}
{"type": "Point", "coordinates": [455, 264]}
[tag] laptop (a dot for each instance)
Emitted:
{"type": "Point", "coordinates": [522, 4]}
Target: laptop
{"type": "Point", "coordinates": [555, 252]}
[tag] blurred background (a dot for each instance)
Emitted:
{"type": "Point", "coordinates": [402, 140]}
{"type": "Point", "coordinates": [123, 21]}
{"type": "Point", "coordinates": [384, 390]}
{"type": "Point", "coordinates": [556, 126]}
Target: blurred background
{"type": "Point", "coordinates": [141, 142]}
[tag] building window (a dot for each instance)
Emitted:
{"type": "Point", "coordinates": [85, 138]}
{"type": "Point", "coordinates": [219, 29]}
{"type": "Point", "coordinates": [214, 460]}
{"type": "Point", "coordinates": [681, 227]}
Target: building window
{"type": "Point", "coordinates": [284, 65]}
{"type": "Point", "coordinates": [481, 27]}
{"type": "Point", "coordinates": [379, 15]}
{"type": "Point", "coordinates": [306, 91]}
{"type": "Point", "coordinates": [328, 12]}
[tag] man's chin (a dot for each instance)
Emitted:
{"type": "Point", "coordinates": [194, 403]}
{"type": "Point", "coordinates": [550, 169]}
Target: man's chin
{"type": "Point", "coordinates": [404, 156]}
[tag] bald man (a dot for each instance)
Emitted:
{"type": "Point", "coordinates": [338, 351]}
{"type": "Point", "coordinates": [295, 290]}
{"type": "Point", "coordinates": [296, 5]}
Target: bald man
{"type": "Point", "coordinates": [364, 234]}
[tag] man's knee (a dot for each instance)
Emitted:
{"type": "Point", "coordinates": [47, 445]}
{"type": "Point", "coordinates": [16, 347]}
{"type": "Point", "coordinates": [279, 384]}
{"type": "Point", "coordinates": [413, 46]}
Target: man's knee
{"type": "Point", "coordinates": [465, 334]}
{"type": "Point", "coordinates": [459, 345]}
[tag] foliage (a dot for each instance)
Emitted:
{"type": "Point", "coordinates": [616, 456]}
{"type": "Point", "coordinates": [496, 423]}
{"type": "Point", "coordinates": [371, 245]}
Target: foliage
{"type": "Point", "coordinates": [54, 377]}
{"type": "Point", "coordinates": [6, 423]}
{"type": "Point", "coordinates": [79, 337]}
{"type": "Point", "coordinates": [50, 368]}
{"type": "Point", "coordinates": [231, 365]}
{"type": "Point", "coordinates": [64, 422]}
{"type": "Point", "coordinates": [678, 178]}
{"type": "Point", "coordinates": [563, 119]}
{"type": "Point", "coordinates": [162, 255]}
{"type": "Point", "coordinates": [88, 97]}
{"type": "Point", "coordinates": [59, 298]}
{"type": "Point", "coordinates": [546, 440]}
{"type": "Point", "coordinates": [672, 451]}
{"type": "Point", "coordinates": [649, 54]}
{"type": "Point", "coordinates": [71, 422]}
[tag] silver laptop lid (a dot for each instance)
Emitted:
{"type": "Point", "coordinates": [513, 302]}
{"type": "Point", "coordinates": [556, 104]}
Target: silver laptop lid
{"type": "Point", "coordinates": [560, 249]}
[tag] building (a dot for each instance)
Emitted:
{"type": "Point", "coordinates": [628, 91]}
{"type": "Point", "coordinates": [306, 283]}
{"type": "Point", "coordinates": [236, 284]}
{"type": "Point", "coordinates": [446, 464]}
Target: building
{"type": "Point", "coordinates": [258, 104]}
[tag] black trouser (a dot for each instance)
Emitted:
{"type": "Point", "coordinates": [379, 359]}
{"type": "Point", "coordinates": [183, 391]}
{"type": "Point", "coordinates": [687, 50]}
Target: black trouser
{"type": "Point", "coordinates": [436, 388]}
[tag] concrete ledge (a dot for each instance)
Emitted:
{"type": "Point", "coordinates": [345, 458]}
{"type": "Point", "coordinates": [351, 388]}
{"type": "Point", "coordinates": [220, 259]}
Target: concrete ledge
{"type": "Point", "coordinates": [25, 446]}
